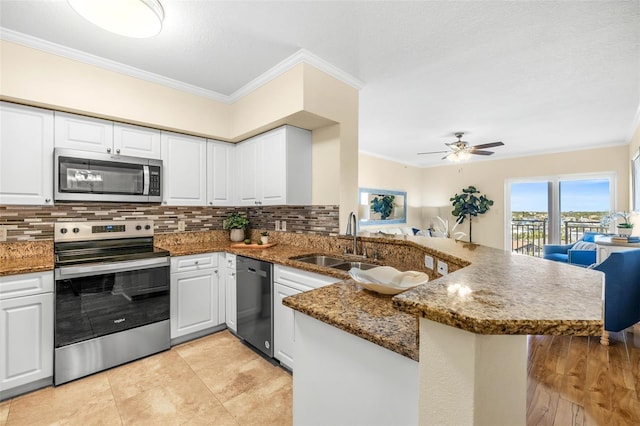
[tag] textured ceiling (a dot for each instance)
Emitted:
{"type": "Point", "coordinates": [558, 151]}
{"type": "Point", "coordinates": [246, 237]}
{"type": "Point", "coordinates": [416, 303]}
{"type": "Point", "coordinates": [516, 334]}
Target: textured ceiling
{"type": "Point", "coordinates": [539, 76]}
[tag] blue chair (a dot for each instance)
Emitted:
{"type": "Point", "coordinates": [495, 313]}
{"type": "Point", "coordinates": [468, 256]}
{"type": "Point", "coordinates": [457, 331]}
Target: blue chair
{"type": "Point", "coordinates": [621, 291]}
{"type": "Point", "coordinates": [580, 253]}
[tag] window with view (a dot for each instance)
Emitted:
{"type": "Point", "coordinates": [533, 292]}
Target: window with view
{"type": "Point", "coordinates": [556, 210]}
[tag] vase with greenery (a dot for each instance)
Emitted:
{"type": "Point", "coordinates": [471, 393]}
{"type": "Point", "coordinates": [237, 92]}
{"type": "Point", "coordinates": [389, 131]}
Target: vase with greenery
{"type": "Point", "coordinates": [469, 204]}
{"type": "Point", "coordinates": [264, 237]}
{"type": "Point", "coordinates": [625, 227]}
{"type": "Point", "coordinates": [383, 204]}
{"type": "Point", "coordinates": [237, 224]}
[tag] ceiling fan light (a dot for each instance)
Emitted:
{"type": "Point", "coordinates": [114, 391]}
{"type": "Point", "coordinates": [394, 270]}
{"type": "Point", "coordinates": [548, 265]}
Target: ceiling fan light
{"type": "Point", "coordinates": [130, 18]}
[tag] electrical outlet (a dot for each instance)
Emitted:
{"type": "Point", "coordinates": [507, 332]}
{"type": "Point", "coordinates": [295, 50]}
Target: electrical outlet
{"type": "Point", "coordinates": [283, 225]}
{"type": "Point", "coordinates": [428, 261]}
{"type": "Point", "coordinates": [181, 226]}
{"type": "Point", "coordinates": [3, 233]}
{"type": "Point", "coordinates": [443, 268]}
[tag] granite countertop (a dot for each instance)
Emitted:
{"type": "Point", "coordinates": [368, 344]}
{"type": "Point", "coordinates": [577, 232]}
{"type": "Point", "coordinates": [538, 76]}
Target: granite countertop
{"type": "Point", "coordinates": [26, 257]}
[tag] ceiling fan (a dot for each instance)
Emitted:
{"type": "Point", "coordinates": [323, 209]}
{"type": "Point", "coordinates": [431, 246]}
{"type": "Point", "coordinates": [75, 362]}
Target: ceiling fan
{"type": "Point", "coordinates": [461, 150]}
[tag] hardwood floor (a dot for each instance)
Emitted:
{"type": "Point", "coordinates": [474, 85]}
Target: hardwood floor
{"type": "Point", "coordinates": [577, 381]}
{"type": "Point", "coordinates": [217, 380]}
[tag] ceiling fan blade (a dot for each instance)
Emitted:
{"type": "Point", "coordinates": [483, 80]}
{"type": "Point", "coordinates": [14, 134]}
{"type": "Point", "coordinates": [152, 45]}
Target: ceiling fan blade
{"type": "Point", "coordinates": [480, 152]}
{"type": "Point", "coordinates": [486, 145]}
{"type": "Point", "coordinates": [446, 156]}
{"type": "Point", "coordinates": [432, 152]}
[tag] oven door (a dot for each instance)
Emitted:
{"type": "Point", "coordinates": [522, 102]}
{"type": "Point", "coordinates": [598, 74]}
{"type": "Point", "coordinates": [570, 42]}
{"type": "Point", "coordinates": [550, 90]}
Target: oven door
{"type": "Point", "coordinates": [99, 299]}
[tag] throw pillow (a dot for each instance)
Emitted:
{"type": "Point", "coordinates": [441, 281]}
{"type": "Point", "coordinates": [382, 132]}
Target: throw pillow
{"type": "Point", "coordinates": [583, 245]}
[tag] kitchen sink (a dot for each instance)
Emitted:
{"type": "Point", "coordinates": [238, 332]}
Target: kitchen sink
{"type": "Point", "coordinates": [320, 260]}
{"type": "Point", "coordinates": [348, 265]}
{"type": "Point", "coordinates": [333, 262]}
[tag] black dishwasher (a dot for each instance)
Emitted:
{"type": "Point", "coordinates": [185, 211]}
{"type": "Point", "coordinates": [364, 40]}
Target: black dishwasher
{"type": "Point", "coordinates": [255, 303]}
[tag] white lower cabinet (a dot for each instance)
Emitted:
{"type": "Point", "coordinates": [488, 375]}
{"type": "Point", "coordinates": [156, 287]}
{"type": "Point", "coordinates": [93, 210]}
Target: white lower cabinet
{"type": "Point", "coordinates": [26, 332]}
{"type": "Point", "coordinates": [195, 295]}
{"type": "Point", "coordinates": [287, 282]}
{"type": "Point", "coordinates": [230, 294]}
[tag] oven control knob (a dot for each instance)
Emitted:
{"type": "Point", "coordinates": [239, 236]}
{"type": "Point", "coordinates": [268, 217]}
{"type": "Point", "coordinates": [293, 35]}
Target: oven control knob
{"type": "Point", "coordinates": [76, 230]}
{"type": "Point", "coordinates": [63, 231]}
{"type": "Point", "coordinates": [147, 227]}
{"type": "Point", "coordinates": [138, 227]}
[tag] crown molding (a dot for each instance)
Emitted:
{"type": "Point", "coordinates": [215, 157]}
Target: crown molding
{"type": "Point", "coordinates": [87, 58]}
{"type": "Point", "coordinates": [300, 56]}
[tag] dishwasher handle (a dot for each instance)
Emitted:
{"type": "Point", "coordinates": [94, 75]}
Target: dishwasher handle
{"type": "Point", "coordinates": [257, 272]}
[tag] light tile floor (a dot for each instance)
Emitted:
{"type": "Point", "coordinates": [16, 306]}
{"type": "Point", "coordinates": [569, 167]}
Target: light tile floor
{"type": "Point", "coordinates": [215, 380]}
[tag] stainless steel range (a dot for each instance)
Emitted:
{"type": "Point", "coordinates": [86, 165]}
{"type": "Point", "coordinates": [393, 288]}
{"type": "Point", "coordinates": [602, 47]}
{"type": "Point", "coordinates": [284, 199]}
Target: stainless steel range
{"type": "Point", "coordinates": [112, 296]}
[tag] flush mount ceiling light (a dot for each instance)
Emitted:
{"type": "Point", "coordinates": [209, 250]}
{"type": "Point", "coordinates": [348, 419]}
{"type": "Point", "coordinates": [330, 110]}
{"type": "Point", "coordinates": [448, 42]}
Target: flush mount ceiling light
{"type": "Point", "coordinates": [130, 18]}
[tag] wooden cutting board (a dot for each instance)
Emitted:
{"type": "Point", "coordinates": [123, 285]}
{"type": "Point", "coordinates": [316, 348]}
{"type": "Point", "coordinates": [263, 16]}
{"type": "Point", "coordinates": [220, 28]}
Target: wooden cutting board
{"type": "Point", "coordinates": [252, 245]}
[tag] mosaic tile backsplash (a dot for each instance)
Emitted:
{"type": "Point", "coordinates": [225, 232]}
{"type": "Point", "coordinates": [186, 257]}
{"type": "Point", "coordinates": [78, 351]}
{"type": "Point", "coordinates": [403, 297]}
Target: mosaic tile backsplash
{"type": "Point", "coordinates": [36, 222]}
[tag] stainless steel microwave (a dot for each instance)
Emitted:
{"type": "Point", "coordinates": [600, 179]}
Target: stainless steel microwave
{"type": "Point", "coordinates": [91, 176]}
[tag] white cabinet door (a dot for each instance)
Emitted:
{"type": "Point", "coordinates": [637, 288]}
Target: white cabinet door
{"type": "Point", "coordinates": [274, 168]}
{"type": "Point", "coordinates": [185, 169]}
{"type": "Point", "coordinates": [136, 141]}
{"type": "Point", "coordinates": [283, 325]}
{"type": "Point", "coordinates": [26, 340]}
{"type": "Point", "coordinates": [26, 155]}
{"type": "Point", "coordinates": [83, 133]}
{"type": "Point", "coordinates": [247, 159]}
{"type": "Point", "coordinates": [219, 173]}
{"type": "Point", "coordinates": [194, 301]}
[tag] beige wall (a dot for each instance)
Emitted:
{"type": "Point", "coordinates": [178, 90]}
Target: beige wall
{"type": "Point", "coordinates": [378, 173]}
{"type": "Point", "coordinates": [302, 96]}
{"type": "Point", "coordinates": [37, 78]}
{"type": "Point", "coordinates": [441, 183]}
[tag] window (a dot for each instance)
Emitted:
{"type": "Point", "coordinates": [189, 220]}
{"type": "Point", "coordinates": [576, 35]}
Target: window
{"type": "Point", "coordinates": [557, 210]}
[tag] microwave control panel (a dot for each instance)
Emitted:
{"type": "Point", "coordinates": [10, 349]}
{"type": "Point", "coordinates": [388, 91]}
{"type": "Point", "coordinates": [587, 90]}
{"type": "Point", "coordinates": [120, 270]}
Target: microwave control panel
{"type": "Point", "coordinates": [154, 180]}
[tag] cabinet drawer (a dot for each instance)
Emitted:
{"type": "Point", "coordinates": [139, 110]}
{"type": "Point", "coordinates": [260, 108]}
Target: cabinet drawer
{"type": "Point", "coordinates": [26, 284]}
{"type": "Point", "coordinates": [230, 261]}
{"type": "Point", "coordinates": [302, 280]}
{"type": "Point", "coordinates": [194, 262]}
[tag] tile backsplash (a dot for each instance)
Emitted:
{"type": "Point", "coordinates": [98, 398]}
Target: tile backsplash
{"type": "Point", "coordinates": [36, 222]}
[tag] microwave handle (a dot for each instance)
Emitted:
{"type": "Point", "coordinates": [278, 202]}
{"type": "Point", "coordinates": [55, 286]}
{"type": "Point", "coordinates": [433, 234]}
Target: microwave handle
{"type": "Point", "coordinates": [145, 180]}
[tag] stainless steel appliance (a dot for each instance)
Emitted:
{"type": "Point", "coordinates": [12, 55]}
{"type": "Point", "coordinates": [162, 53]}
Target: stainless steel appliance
{"type": "Point", "coordinates": [254, 300]}
{"type": "Point", "coordinates": [91, 176]}
{"type": "Point", "coordinates": [111, 296]}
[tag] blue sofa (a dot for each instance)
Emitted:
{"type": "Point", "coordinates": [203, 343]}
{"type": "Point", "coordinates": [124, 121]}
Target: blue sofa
{"type": "Point", "coordinates": [621, 291]}
{"type": "Point", "coordinates": [580, 253]}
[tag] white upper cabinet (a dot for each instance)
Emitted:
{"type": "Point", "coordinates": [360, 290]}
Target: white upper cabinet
{"type": "Point", "coordinates": [220, 189]}
{"type": "Point", "coordinates": [26, 155]}
{"type": "Point", "coordinates": [274, 168]}
{"type": "Point", "coordinates": [184, 161]}
{"type": "Point", "coordinates": [83, 133]}
{"type": "Point", "coordinates": [96, 135]}
{"type": "Point", "coordinates": [136, 141]}
{"type": "Point", "coordinates": [247, 160]}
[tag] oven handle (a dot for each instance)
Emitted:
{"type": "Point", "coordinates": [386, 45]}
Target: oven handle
{"type": "Point", "coordinates": [132, 265]}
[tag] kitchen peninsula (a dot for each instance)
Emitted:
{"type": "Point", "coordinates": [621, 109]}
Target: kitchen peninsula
{"type": "Point", "coordinates": [472, 332]}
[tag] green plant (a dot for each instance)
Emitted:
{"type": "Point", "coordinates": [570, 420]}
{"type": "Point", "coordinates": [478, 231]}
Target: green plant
{"type": "Point", "coordinates": [235, 221]}
{"type": "Point", "coordinates": [383, 205]}
{"type": "Point", "coordinates": [469, 204]}
{"type": "Point", "coordinates": [264, 233]}
{"type": "Point", "coordinates": [625, 216]}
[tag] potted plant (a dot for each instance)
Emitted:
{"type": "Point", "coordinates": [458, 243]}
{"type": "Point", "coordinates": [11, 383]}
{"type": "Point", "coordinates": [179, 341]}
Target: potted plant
{"type": "Point", "coordinates": [264, 237]}
{"type": "Point", "coordinates": [237, 224]}
{"type": "Point", "coordinates": [625, 227]}
{"type": "Point", "coordinates": [469, 204]}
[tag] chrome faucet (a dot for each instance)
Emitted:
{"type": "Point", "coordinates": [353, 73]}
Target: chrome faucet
{"type": "Point", "coordinates": [353, 231]}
